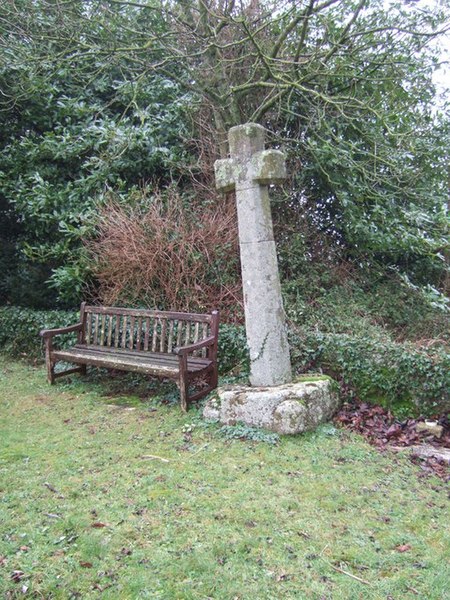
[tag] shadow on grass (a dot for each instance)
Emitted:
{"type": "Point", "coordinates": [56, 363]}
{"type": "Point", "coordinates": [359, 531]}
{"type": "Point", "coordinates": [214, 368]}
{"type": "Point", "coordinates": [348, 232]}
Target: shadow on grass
{"type": "Point", "coordinates": [127, 389]}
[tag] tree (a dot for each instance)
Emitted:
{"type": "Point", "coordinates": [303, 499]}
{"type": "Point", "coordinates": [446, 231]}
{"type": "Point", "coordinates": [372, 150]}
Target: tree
{"type": "Point", "coordinates": [344, 86]}
{"type": "Point", "coordinates": [70, 133]}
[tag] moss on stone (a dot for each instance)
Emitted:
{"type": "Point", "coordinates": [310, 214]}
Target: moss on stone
{"type": "Point", "coordinates": [307, 378]}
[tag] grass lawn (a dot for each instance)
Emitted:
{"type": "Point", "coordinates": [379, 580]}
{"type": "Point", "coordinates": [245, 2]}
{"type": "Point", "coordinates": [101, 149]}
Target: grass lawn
{"type": "Point", "coordinates": [113, 497]}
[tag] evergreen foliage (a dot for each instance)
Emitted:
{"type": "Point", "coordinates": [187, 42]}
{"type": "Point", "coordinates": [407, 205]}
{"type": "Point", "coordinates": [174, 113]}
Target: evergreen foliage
{"type": "Point", "coordinates": [100, 96]}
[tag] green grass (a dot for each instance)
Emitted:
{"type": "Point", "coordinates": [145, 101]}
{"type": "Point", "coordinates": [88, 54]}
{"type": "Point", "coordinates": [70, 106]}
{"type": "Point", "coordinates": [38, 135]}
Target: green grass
{"type": "Point", "coordinates": [217, 518]}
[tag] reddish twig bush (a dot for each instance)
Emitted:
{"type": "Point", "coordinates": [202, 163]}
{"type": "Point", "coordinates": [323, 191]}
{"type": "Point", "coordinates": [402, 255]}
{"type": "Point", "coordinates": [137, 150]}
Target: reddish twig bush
{"type": "Point", "coordinates": [168, 256]}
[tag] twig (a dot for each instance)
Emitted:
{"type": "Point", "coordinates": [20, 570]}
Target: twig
{"type": "Point", "coordinates": [413, 590]}
{"type": "Point", "coordinates": [197, 451]}
{"type": "Point", "coordinates": [154, 457]}
{"type": "Point", "coordinates": [52, 489]}
{"type": "Point", "coordinates": [349, 574]}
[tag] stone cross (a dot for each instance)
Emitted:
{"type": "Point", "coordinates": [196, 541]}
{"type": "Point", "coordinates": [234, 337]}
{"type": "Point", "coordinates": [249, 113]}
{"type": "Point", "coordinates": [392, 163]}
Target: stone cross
{"type": "Point", "coordinates": [250, 171]}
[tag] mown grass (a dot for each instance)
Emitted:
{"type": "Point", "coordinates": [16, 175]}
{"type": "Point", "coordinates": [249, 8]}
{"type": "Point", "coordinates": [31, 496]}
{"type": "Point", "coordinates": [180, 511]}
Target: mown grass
{"type": "Point", "coordinates": [88, 510]}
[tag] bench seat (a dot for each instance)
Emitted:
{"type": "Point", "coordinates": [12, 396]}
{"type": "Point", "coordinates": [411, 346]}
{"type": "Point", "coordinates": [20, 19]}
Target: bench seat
{"type": "Point", "coordinates": [153, 363]}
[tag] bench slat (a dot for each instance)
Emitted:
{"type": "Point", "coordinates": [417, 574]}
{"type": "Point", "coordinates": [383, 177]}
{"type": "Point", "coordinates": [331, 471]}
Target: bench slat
{"type": "Point", "coordinates": [204, 335]}
{"type": "Point", "coordinates": [138, 333]}
{"type": "Point", "coordinates": [131, 340]}
{"type": "Point", "coordinates": [110, 328]}
{"type": "Point", "coordinates": [155, 334]}
{"type": "Point", "coordinates": [88, 328]}
{"type": "Point", "coordinates": [166, 364]}
{"type": "Point", "coordinates": [179, 331]}
{"type": "Point", "coordinates": [116, 332]}
{"type": "Point", "coordinates": [159, 356]}
{"type": "Point", "coordinates": [124, 331]}
{"type": "Point", "coordinates": [163, 335]}
{"type": "Point", "coordinates": [147, 331]}
{"type": "Point", "coordinates": [102, 330]}
{"type": "Point", "coordinates": [94, 341]}
{"type": "Point", "coordinates": [170, 338]}
{"type": "Point", "coordinates": [142, 312]}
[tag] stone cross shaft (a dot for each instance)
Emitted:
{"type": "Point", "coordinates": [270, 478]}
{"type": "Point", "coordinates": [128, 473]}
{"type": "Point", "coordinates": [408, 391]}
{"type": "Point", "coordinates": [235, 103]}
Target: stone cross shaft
{"type": "Point", "coordinates": [249, 171]}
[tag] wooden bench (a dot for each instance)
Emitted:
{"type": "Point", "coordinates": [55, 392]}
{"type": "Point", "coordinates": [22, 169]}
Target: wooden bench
{"type": "Point", "coordinates": [179, 346]}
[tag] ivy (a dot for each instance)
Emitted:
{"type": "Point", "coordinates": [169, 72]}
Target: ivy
{"type": "Point", "coordinates": [379, 370]}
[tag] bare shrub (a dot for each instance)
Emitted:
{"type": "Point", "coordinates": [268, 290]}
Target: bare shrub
{"type": "Point", "coordinates": [164, 254]}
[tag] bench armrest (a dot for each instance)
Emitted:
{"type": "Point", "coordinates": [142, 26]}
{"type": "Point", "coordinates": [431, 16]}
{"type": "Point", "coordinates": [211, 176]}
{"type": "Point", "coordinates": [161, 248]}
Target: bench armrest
{"type": "Point", "coordinates": [49, 333]}
{"type": "Point", "coordinates": [185, 350]}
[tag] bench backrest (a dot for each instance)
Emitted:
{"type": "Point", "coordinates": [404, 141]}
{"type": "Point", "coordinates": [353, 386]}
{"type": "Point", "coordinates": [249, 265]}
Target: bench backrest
{"type": "Point", "coordinates": [145, 330]}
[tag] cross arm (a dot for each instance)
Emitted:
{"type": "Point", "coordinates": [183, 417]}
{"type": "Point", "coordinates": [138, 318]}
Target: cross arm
{"type": "Point", "coordinates": [268, 166]}
{"type": "Point", "coordinates": [225, 174]}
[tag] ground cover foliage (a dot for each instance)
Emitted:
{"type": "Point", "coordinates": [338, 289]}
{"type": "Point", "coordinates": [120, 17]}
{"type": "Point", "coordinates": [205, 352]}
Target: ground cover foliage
{"type": "Point", "coordinates": [348, 341]}
{"type": "Point", "coordinates": [105, 494]}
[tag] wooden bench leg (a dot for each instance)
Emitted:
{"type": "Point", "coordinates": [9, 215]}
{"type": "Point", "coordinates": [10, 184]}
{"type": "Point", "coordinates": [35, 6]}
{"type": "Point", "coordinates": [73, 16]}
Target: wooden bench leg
{"type": "Point", "coordinates": [50, 372]}
{"type": "Point", "coordinates": [184, 397]}
{"type": "Point", "coordinates": [214, 377]}
{"type": "Point", "coordinates": [184, 383]}
{"type": "Point", "coordinates": [49, 362]}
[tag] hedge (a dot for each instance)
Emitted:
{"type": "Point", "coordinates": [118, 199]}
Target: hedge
{"type": "Point", "coordinates": [403, 376]}
{"type": "Point", "coordinates": [19, 329]}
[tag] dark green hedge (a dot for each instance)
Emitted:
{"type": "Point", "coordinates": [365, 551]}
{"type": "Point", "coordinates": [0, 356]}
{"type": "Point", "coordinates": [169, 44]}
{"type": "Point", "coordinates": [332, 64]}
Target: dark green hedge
{"type": "Point", "coordinates": [19, 329]}
{"type": "Point", "coordinates": [404, 376]}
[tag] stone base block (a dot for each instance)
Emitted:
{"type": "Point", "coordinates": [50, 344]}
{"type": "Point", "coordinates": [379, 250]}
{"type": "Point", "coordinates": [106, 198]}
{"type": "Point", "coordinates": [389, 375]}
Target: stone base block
{"type": "Point", "coordinates": [289, 408]}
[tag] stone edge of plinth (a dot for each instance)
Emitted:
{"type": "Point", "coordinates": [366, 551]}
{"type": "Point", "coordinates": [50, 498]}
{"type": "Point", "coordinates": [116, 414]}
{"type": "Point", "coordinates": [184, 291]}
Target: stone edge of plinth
{"type": "Point", "coordinates": [288, 409]}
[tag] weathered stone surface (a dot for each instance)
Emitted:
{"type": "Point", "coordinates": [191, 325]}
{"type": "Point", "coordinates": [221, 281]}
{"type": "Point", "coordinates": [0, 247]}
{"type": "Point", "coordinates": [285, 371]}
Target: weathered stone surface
{"type": "Point", "coordinates": [268, 167]}
{"type": "Point", "coordinates": [211, 411]}
{"type": "Point", "coordinates": [431, 452]}
{"type": "Point", "coordinates": [424, 451]}
{"type": "Point", "coordinates": [288, 408]}
{"type": "Point", "coordinates": [249, 171]}
{"type": "Point", "coordinates": [430, 427]}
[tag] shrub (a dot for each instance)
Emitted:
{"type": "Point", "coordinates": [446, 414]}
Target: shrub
{"type": "Point", "coordinates": [19, 329]}
{"type": "Point", "coordinates": [164, 254]}
{"type": "Point", "coordinates": [232, 350]}
{"type": "Point", "coordinates": [399, 375]}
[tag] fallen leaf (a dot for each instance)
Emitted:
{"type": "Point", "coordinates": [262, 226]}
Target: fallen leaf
{"type": "Point", "coordinates": [394, 430]}
{"type": "Point", "coordinates": [16, 576]}
{"type": "Point", "coordinates": [101, 588]}
{"type": "Point", "coordinates": [86, 564]}
{"type": "Point", "coordinates": [403, 548]}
